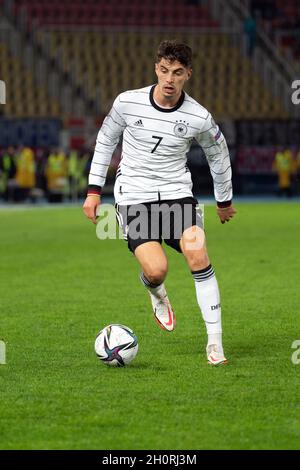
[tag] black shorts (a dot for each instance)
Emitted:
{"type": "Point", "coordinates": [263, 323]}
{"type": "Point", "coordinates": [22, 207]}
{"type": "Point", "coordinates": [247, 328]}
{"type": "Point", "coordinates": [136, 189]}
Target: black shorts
{"type": "Point", "coordinates": [157, 221]}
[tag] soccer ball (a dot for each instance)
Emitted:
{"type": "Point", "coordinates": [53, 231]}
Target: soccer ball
{"type": "Point", "coordinates": [116, 345]}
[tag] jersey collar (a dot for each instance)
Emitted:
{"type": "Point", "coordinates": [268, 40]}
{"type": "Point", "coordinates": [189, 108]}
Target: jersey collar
{"type": "Point", "coordinates": [166, 110]}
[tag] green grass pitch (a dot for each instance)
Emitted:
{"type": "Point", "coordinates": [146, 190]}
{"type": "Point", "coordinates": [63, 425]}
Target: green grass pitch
{"type": "Point", "coordinates": [59, 285]}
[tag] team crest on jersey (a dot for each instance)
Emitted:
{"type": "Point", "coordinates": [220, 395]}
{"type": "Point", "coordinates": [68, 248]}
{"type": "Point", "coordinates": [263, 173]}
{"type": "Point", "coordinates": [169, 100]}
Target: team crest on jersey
{"type": "Point", "coordinates": [180, 129]}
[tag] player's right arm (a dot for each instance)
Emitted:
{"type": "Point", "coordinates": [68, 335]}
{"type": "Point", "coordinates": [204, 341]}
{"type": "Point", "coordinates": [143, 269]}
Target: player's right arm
{"type": "Point", "coordinates": [90, 206]}
{"type": "Point", "coordinates": [107, 140]}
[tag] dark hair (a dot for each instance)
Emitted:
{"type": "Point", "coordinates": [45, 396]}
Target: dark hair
{"type": "Point", "coordinates": [172, 50]}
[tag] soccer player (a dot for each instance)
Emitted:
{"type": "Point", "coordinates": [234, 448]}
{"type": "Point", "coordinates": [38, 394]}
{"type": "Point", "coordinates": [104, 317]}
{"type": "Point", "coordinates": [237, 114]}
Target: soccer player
{"type": "Point", "coordinates": [153, 188]}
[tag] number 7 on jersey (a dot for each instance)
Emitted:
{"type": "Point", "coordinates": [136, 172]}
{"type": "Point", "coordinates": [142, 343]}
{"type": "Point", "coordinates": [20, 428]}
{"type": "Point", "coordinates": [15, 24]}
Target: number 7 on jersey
{"type": "Point", "coordinates": [158, 142]}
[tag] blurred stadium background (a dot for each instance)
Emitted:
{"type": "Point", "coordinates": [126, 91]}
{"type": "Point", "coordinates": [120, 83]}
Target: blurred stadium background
{"type": "Point", "coordinates": [63, 63]}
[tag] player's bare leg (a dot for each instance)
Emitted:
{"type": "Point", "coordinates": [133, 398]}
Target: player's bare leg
{"type": "Point", "coordinates": [194, 249]}
{"type": "Point", "coordinates": [154, 265]}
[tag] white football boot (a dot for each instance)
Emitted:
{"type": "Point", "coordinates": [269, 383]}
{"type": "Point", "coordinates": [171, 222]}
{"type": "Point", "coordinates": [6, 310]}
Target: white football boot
{"type": "Point", "coordinates": [163, 312]}
{"type": "Point", "coordinates": [215, 356]}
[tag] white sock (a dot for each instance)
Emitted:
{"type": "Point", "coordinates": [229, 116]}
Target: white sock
{"type": "Point", "coordinates": [208, 297]}
{"type": "Point", "coordinates": [158, 291]}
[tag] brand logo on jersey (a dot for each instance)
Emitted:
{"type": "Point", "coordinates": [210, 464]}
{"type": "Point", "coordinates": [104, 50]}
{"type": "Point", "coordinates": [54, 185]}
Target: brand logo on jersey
{"type": "Point", "coordinates": [180, 129]}
{"type": "Point", "coordinates": [217, 134]}
{"type": "Point", "coordinates": [139, 123]}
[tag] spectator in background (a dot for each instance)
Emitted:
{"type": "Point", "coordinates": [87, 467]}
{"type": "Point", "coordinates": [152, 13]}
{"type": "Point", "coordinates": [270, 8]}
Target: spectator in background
{"type": "Point", "coordinates": [84, 169]}
{"type": "Point", "coordinates": [78, 170]}
{"type": "Point", "coordinates": [41, 156]}
{"type": "Point", "coordinates": [73, 174]}
{"type": "Point", "coordinates": [283, 165]}
{"type": "Point", "coordinates": [25, 174]}
{"type": "Point", "coordinates": [7, 171]}
{"type": "Point", "coordinates": [56, 172]}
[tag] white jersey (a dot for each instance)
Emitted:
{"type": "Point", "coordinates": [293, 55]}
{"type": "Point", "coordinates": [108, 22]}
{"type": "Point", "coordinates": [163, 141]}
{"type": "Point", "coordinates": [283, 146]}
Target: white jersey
{"type": "Point", "coordinates": [156, 141]}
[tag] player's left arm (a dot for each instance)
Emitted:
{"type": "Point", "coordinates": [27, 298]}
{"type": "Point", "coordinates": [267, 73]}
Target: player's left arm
{"type": "Point", "coordinates": [216, 151]}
